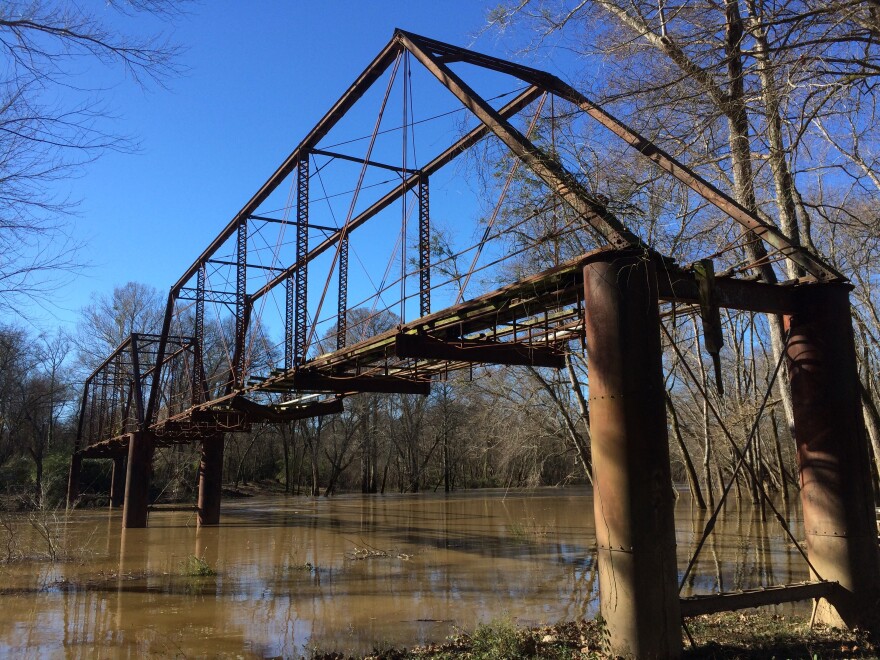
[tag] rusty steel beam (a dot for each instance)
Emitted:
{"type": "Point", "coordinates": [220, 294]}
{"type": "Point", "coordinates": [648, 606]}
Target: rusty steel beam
{"type": "Point", "coordinates": [424, 248]}
{"type": "Point", "coordinates": [632, 482]}
{"type": "Point", "coordinates": [259, 412]}
{"type": "Point", "coordinates": [355, 159]}
{"type": "Point", "coordinates": [476, 351]}
{"type": "Point", "coordinates": [446, 157]}
{"type": "Point", "coordinates": [308, 380]}
{"type": "Point", "coordinates": [357, 89]}
{"type": "Point", "coordinates": [549, 169]}
{"type": "Point", "coordinates": [724, 202]}
{"type": "Point", "coordinates": [550, 83]}
{"type": "Point", "coordinates": [680, 286]}
{"type": "Point", "coordinates": [740, 600]}
{"type": "Point", "coordinates": [319, 409]}
{"type": "Point", "coordinates": [282, 221]}
{"type": "Point", "coordinates": [136, 381]}
{"type": "Point", "coordinates": [342, 296]}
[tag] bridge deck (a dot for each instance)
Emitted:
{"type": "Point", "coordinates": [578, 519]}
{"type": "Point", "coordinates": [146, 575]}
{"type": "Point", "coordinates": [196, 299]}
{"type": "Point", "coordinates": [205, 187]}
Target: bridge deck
{"type": "Point", "coordinates": [530, 322]}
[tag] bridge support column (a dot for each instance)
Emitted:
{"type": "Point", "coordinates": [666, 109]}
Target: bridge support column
{"type": "Point", "coordinates": [137, 479]}
{"type": "Point", "coordinates": [117, 483]}
{"type": "Point", "coordinates": [633, 497]}
{"type": "Point", "coordinates": [832, 452]}
{"type": "Point", "coordinates": [210, 480]}
{"type": "Point", "coordinates": [73, 479]}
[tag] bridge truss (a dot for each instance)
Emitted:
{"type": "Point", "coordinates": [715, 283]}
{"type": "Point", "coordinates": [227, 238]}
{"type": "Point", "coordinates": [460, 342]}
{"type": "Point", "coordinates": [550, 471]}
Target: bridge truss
{"type": "Point", "coordinates": [195, 380]}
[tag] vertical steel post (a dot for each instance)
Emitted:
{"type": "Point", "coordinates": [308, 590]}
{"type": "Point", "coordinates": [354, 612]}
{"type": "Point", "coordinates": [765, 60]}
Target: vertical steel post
{"type": "Point", "coordinates": [302, 252]}
{"type": "Point", "coordinates": [342, 306]}
{"type": "Point", "coordinates": [241, 304]}
{"type": "Point", "coordinates": [137, 479]}
{"type": "Point", "coordinates": [198, 391]}
{"type": "Point", "coordinates": [210, 480]}
{"type": "Point", "coordinates": [633, 497]}
{"type": "Point", "coordinates": [289, 293]}
{"type": "Point", "coordinates": [832, 451]}
{"type": "Point", "coordinates": [117, 483]}
{"type": "Point", "coordinates": [424, 248]}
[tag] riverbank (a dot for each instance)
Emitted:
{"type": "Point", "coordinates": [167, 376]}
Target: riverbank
{"type": "Point", "coordinates": [728, 635]}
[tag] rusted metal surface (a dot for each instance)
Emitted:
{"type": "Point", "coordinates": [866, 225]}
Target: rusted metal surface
{"type": "Point", "coordinates": [117, 483]}
{"type": "Point", "coordinates": [832, 452]}
{"type": "Point", "coordinates": [548, 168]}
{"type": "Point", "coordinates": [210, 480]}
{"type": "Point", "coordinates": [313, 381]}
{"type": "Point", "coordinates": [437, 163]}
{"type": "Point", "coordinates": [477, 351]}
{"type": "Point", "coordinates": [740, 600]}
{"type": "Point", "coordinates": [137, 479]}
{"type": "Point", "coordinates": [632, 482]}
{"type": "Point", "coordinates": [276, 413]}
{"type": "Point", "coordinates": [424, 248]}
{"type": "Point", "coordinates": [550, 83]}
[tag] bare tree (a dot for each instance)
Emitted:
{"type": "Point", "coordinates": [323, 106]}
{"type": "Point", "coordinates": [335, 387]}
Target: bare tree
{"type": "Point", "coordinates": [52, 124]}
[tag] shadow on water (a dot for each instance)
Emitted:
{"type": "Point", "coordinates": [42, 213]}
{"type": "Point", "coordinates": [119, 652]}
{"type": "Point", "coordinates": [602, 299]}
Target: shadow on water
{"type": "Point", "coordinates": [346, 573]}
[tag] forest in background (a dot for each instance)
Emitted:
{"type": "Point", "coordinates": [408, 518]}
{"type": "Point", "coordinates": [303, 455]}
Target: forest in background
{"type": "Point", "coordinates": [774, 102]}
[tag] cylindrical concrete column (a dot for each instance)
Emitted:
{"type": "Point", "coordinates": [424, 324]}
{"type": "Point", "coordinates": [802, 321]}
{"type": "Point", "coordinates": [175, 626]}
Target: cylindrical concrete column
{"type": "Point", "coordinates": [832, 452]}
{"type": "Point", "coordinates": [633, 497]}
{"type": "Point", "coordinates": [210, 480]}
{"type": "Point", "coordinates": [117, 483]}
{"type": "Point", "coordinates": [73, 479]}
{"type": "Point", "coordinates": [137, 479]}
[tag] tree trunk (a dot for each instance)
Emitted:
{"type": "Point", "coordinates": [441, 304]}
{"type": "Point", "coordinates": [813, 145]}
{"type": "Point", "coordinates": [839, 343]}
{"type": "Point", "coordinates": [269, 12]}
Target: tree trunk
{"type": "Point", "coordinates": [693, 480]}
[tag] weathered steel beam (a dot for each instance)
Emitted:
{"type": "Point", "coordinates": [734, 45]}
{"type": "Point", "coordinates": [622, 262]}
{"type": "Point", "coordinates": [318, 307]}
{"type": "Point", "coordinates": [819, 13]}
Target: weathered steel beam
{"type": "Point", "coordinates": [357, 89]}
{"type": "Point", "coordinates": [740, 600]}
{"type": "Point", "coordinates": [476, 351]}
{"type": "Point", "coordinates": [305, 380]}
{"type": "Point", "coordinates": [548, 82]}
{"type": "Point", "coordinates": [767, 232]}
{"type": "Point", "coordinates": [282, 221]}
{"type": "Point", "coordinates": [355, 159]}
{"type": "Point", "coordinates": [260, 412]}
{"type": "Point", "coordinates": [447, 156]}
{"type": "Point", "coordinates": [679, 285]}
{"type": "Point", "coordinates": [550, 170]}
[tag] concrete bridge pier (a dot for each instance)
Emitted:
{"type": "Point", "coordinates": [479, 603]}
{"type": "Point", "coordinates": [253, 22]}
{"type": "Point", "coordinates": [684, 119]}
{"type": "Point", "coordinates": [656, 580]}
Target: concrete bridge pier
{"type": "Point", "coordinates": [210, 480]}
{"type": "Point", "coordinates": [117, 483]}
{"type": "Point", "coordinates": [833, 459]}
{"type": "Point", "coordinates": [137, 480]}
{"type": "Point", "coordinates": [633, 498]}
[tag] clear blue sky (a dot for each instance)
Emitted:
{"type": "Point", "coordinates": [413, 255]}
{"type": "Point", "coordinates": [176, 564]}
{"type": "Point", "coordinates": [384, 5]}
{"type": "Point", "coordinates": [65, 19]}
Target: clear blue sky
{"type": "Point", "coordinates": [259, 76]}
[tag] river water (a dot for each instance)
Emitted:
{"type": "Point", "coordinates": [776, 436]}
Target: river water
{"type": "Point", "coordinates": [349, 573]}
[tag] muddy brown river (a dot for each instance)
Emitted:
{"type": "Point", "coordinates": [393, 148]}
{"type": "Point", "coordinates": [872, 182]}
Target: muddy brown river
{"type": "Point", "coordinates": [295, 575]}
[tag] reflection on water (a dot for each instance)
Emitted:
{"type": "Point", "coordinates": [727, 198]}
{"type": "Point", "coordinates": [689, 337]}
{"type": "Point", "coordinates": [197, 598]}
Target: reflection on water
{"type": "Point", "coordinates": [347, 573]}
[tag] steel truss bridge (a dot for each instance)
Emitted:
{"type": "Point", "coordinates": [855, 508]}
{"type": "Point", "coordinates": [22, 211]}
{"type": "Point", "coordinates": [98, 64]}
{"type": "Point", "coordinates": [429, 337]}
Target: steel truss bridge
{"type": "Point", "coordinates": [171, 387]}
